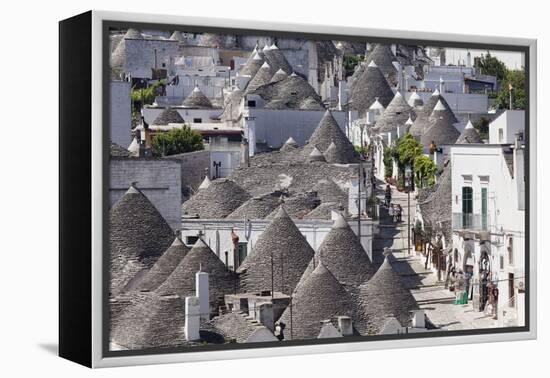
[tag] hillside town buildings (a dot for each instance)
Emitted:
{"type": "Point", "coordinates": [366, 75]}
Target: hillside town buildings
{"type": "Point", "coordinates": [276, 230]}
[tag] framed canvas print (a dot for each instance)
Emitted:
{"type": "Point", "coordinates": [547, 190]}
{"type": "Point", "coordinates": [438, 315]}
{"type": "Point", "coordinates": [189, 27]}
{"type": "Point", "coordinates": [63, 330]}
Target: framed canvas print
{"type": "Point", "coordinates": [232, 189]}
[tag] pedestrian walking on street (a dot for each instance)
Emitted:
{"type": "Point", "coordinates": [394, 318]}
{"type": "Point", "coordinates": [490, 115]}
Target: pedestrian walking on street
{"type": "Point", "coordinates": [494, 294]}
{"type": "Point", "coordinates": [388, 195]}
{"type": "Point", "coordinates": [451, 274]}
{"type": "Point", "coordinates": [459, 288]}
{"type": "Point", "coordinates": [399, 213]}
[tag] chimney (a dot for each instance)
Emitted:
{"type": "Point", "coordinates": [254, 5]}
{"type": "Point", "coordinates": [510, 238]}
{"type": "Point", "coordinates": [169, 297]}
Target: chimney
{"type": "Point", "coordinates": [202, 292]}
{"type": "Point", "coordinates": [441, 85]}
{"type": "Point", "coordinates": [394, 49]}
{"type": "Point", "coordinates": [418, 319]}
{"type": "Point", "coordinates": [345, 325]}
{"type": "Point", "coordinates": [264, 314]}
{"type": "Point", "coordinates": [245, 158]}
{"type": "Point", "coordinates": [192, 319]}
{"type": "Point", "coordinates": [342, 95]}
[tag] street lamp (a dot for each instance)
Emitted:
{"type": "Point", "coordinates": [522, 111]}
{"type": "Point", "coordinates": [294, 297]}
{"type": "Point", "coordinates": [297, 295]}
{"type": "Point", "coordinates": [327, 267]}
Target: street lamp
{"type": "Point", "coordinates": [408, 186]}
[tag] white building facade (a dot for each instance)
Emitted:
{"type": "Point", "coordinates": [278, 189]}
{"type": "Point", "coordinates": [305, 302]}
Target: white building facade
{"type": "Point", "coordinates": [488, 222]}
{"type": "Point", "coordinates": [217, 233]}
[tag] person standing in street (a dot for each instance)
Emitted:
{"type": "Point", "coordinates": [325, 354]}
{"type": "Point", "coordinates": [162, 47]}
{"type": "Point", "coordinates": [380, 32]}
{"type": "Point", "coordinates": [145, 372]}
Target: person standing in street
{"type": "Point", "coordinates": [387, 196]}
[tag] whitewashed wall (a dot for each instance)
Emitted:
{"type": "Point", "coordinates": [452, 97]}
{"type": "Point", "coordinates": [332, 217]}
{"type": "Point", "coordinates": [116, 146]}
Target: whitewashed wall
{"type": "Point", "coordinates": [486, 167]}
{"type": "Point", "coordinates": [275, 126]}
{"type": "Point", "coordinates": [120, 113]}
{"type": "Point", "coordinates": [217, 233]}
{"type": "Point", "coordinates": [510, 122]}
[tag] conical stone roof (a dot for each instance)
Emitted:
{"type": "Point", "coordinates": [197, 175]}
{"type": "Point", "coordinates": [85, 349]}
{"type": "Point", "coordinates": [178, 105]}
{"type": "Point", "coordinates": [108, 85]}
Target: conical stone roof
{"type": "Point", "coordinates": [382, 296]}
{"type": "Point", "coordinates": [469, 135]}
{"type": "Point", "coordinates": [290, 92]}
{"type": "Point", "coordinates": [252, 65]}
{"type": "Point", "coordinates": [421, 123]}
{"type": "Point", "coordinates": [329, 132]}
{"type": "Point", "coordinates": [315, 155]}
{"type": "Point", "coordinates": [342, 253]}
{"type": "Point", "coordinates": [216, 201]}
{"type": "Point", "coordinates": [359, 70]}
{"type": "Point", "coordinates": [290, 145]}
{"type": "Point", "coordinates": [415, 100]}
{"type": "Point", "coordinates": [277, 59]}
{"type": "Point", "coordinates": [205, 183]}
{"type": "Point", "coordinates": [262, 77]}
{"type": "Point", "coordinates": [138, 235]}
{"type": "Point", "coordinates": [167, 116]}
{"type": "Point", "coordinates": [320, 297]}
{"type": "Point", "coordinates": [157, 321]}
{"type": "Point", "coordinates": [440, 130]}
{"type": "Point", "coordinates": [134, 148]}
{"type": "Point", "coordinates": [200, 258]}
{"type": "Point", "coordinates": [283, 244]}
{"type": "Point", "coordinates": [437, 205]}
{"type": "Point", "coordinates": [377, 106]}
{"type": "Point", "coordinates": [324, 210]}
{"type": "Point", "coordinates": [164, 266]}
{"type": "Point", "coordinates": [310, 103]}
{"type": "Point", "coordinates": [328, 191]}
{"type": "Point", "coordinates": [395, 115]}
{"type": "Point", "coordinates": [257, 207]}
{"type": "Point", "coordinates": [279, 75]}
{"type": "Point", "coordinates": [384, 58]}
{"type": "Point", "coordinates": [298, 205]}
{"type": "Point", "coordinates": [335, 155]}
{"type": "Point", "coordinates": [367, 87]}
{"type": "Point", "coordinates": [197, 99]}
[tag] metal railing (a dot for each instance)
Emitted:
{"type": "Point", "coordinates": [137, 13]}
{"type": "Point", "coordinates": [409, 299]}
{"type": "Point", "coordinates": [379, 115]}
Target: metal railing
{"type": "Point", "coordinates": [469, 221]}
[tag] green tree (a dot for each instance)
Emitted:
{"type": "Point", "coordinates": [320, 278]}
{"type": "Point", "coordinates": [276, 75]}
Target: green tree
{"type": "Point", "coordinates": [146, 96]}
{"type": "Point", "coordinates": [177, 141]}
{"type": "Point", "coordinates": [491, 65]}
{"type": "Point", "coordinates": [361, 150]}
{"type": "Point", "coordinates": [408, 149]}
{"type": "Point", "coordinates": [482, 127]}
{"type": "Point", "coordinates": [350, 61]}
{"type": "Point", "coordinates": [516, 80]}
{"type": "Point", "coordinates": [424, 171]}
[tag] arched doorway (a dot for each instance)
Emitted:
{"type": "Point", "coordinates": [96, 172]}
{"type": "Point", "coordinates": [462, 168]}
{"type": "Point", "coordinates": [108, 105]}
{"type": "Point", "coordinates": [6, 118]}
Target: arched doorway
{"type": "Point", "coordinates": [468, 269]}
{"type": "Point", "coordinates": [484, 267]}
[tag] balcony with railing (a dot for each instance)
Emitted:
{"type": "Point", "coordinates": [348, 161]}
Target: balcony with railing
{"type": "Point", "coordinates": [469, 221]}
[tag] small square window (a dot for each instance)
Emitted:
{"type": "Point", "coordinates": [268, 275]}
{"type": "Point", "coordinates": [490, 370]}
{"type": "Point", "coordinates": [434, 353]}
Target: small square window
{"type": "Point", "coordinates": [251, 103]}
{"type": "Point", "coordinates": [197, 120]}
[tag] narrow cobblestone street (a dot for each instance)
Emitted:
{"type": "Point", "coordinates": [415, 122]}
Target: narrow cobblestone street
{"type": "Point", "coordinates": [431, 295]}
